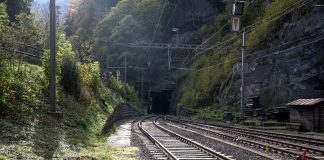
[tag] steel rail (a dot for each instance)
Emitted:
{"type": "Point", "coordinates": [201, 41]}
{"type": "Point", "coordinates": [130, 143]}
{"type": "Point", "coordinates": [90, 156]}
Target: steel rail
{"type": "Point", "coordinates": [246, 141]}
{"type": "Point", "coordinates": [193, 143]}
{"type": "Point", "coordinates": [304, 139]}
{"type": "Point", "coordinates": [271, 147]}
{"type": "Point", "coordinates": [263, 137]}
{"type": "Point", "coordinates": [155, 141]}
{"type": "Point", "coordinates": [168, 153]}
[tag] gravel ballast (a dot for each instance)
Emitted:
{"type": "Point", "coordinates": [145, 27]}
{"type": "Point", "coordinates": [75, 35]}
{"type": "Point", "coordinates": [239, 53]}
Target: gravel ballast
{"type": "Point", "coordinates": [227, 149]}
{"type": "Point", "coordinates": [136, 141]}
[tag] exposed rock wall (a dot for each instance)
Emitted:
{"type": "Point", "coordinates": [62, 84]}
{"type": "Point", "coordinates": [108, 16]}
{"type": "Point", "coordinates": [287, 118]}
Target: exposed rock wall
{"type": "Point", "coordinates": [295, 72]}
{"type": "Point", "coordinates": [191, 14]}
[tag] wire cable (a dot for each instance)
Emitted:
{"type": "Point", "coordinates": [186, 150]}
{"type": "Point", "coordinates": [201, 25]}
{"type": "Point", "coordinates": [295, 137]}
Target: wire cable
{"type": "Point", "coordinates": [172, 14]}
{"type": "Point", "coordinates": [296, 5]}
{"type": "Point", "coordinates": [262, 51]}
{"type": "Point", "coordinates": [156, 27]}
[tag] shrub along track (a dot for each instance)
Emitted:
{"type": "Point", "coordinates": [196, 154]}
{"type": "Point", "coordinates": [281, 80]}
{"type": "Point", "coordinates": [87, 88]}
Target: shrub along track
{"type": "Point", "coordinates": [166, 144]}
{"type": "Point", "coordinates": [278, 143]}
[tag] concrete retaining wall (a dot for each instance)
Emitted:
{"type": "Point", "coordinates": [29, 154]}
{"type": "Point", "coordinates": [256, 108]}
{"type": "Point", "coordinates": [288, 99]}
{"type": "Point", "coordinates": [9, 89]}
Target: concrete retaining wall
{"type": "Point", "coordinates": [121, 112]}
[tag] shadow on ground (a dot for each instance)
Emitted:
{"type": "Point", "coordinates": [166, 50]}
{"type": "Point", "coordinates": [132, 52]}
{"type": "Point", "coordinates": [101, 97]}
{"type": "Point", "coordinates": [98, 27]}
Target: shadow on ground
{"type": "Point", "coordinates": [47, 136]}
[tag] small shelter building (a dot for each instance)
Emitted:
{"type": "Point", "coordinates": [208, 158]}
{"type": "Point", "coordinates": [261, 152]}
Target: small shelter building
{"type": "Point", "coordinates": [308, 112]}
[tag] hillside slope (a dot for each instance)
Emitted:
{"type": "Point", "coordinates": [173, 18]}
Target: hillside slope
{"type": "Point", "coordinates": [283, 55]}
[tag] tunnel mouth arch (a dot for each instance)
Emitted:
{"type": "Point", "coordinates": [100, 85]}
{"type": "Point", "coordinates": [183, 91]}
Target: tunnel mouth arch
{"type": "Point", "coordinates": [161, 101]}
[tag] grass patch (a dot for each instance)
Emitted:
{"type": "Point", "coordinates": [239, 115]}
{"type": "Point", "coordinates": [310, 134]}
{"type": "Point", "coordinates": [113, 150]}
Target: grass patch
{"type": "Point", "coordinates": [209, 114]}
{"type": "Point", "coordinates": [250, 122]}
{"type": "Point", "coordinates": [28, 132]}
{"type": "Point", "coordinates": [101, 150]}
{"type": "Point", "coordinates": [2, 157]}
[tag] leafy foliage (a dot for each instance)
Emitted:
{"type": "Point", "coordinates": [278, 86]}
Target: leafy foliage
{"type": "Point", "coordinates": [2, 157]}
{"type": "Point", "coordinates": [17, 96]}
{"type": "Point", "coordinates": [129, 21]}
{"type": "Point", "coordinates": [16, 7]}
{"type": "Point", "coordinates": [126, 91]}
{"type": "Point", "coordinates": [83, 98]}
{"type": "Point", "coordinates": [71, 79]}
{"type": "Point", "coordinates": [203, 85]}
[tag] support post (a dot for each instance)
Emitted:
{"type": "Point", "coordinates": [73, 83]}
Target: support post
{"type": "Point", "coordinates": [169, 57]}
{"type": "Point", "coordinates": [142, 95]}
{"type": "Point", "coordinates": [242, 75]}
{"type": "Point", "coordinates": [53, 50]}
{"type": "Point", "coordinates": [125, 63]}
{"type": "Point", "coordinates": [53, 56]}
{"type": "Point", "coordinates": [177, 38]}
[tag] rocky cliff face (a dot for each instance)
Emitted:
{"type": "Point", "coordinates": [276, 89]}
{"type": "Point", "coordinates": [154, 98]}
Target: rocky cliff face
{"type": "Point", "coordinates": [191, 14]}
{"type": "Point", "coordinates": [293, 69]}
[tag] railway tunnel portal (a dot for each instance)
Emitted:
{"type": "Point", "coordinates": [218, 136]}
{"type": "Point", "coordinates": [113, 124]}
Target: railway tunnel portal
{"type": "Point", "coordinates": [162, 99]}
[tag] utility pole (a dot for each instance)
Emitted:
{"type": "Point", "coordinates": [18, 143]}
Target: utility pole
{"type": "Point", "coordinates": [169, 56]}
{"type": "Point", "coordinates": [125, 63]}
{"type": "Point", "coordinates": [142, 95]}
{"type": "Point", "coordinates": [176, 30]}
{"type": "Point", "coordinates": [53, 50]}
{"type": "Point", "coordinates": [242, 83]}
{"type": "Point", "coordinates": [53, 56]}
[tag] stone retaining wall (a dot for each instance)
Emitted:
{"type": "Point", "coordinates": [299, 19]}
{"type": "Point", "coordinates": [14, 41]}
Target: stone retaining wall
{"type": "Point", "coordinates": [121, 112]}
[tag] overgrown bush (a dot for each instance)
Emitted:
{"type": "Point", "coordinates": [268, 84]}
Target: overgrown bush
{"type": "Point", "coordinates": [266, 24]}
{"type": "Point", "coordinates": [71, 75]}
{"type": "Point", "coordinates": [127, 92]}
{"type": "Point", "coordinates": [211, 113]}
{"type": "Point", "coordinates": [20, 91]}
{"type": "Point", "coordinates": [249, 122]}
{"type": "Point", "coordinates": [200, 87]}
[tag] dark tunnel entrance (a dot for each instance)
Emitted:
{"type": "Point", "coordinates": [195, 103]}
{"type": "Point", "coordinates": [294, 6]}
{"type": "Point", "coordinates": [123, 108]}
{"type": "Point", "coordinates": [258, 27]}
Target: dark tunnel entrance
{"type": "Point", "coordinates": [161, 101]}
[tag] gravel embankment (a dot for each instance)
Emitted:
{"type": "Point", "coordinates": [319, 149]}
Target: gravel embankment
{"type": "Point", "coordinates": [136, 141]}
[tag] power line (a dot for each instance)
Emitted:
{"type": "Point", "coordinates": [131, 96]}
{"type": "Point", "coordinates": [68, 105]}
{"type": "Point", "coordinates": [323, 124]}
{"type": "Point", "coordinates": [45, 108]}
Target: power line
{"type": "Point", "coordinates": [25, 45]}
{"type": "Point", "coordinates": [295, 6]}
{"type": "Point", "coordinates": [141, 68]}
{"type": "Point", "coordinates": [172, 14]}
{"type": "Point", "coordinates": [262, 51]}
{"type": "Point", "coordinates": [204, 42]}
{"type": "Point", "coordinates": [172, 46]}
{"type": "Point", "coordinates": [251, 28]}
{"type": "Point", "coordinates": [221, 28]}
{"type": "Point", "coordinates": [22, 52]}
{"type": "Point", "coordinates": [157, 26]}
{"type": "Point", "coordinates": [134, 67]}
{"type": "Point", "coordinates": [32, 47]}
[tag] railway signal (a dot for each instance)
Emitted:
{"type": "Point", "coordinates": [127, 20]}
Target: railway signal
{"type": "Point", "coordinates": [236, 24]}
{"type": "Point", "coordinates": [238, 8]}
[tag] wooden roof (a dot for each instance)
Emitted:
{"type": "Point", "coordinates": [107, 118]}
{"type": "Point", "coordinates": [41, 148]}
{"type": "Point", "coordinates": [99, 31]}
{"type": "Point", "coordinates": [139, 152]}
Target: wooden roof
{"type": "Point", "coordinates": [306, 102]}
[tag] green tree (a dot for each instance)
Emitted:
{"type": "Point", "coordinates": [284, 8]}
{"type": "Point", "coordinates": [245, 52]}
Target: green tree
{"type": "Point", "coordinates": [16, 7]}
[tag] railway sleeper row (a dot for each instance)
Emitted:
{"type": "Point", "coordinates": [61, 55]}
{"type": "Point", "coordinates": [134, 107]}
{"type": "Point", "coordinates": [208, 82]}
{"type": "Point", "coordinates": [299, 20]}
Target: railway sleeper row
{"type": "Point", "coordinates": [167, 145]}
{"type": "Point", "coordinates": [300, 147]}
{"type": "Point", "coordinates": [253, 135]}
{"type": "Point", "coordinates": [291, 137]}
{"type": "Point", "coordinates": [272, 148]}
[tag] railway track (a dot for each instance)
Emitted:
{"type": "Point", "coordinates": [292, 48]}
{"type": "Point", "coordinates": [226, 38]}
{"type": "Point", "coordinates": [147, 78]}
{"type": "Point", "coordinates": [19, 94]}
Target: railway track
{"type": "Point", "coordinates": [166, 144]}
{"type": "Point", "coordinates": [278, 143]}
